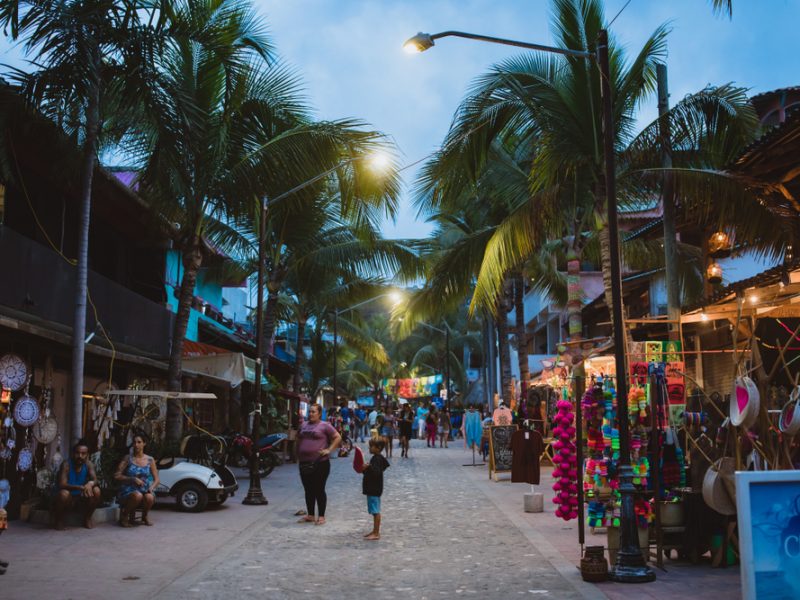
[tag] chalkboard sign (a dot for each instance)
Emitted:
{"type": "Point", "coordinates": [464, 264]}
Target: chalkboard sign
{"type": "Point", "coordinates": [500, 448]}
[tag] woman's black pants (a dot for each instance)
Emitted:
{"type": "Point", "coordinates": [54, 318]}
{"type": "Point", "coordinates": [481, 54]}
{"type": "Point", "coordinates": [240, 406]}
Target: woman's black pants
{"type": "Point", "coordinates": [314, 485]}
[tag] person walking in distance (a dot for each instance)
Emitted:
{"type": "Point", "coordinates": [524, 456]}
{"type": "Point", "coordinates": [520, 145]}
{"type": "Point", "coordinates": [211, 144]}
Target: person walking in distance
{"type": "Point", "coordinates": [444, 427]}
{"type": "Point", "coordinates": [430, 428]}
{"type": "Point", "coordinates": [406, 429]}
{"type": "Point", "coordinates": [372, 486]}
{"type": "Point", "coordinates": [315, 442]}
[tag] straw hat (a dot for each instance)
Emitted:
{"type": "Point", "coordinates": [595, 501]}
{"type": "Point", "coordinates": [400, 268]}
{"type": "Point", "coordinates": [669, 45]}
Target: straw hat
{"type": "Point", "coordinates": [745, 402]}
{"type": "Point", "coordinates": [719, 491]}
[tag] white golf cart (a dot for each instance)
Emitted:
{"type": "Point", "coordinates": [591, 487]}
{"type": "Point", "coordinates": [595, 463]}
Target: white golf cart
{"type": "Point", "coordinates": [194, 486]}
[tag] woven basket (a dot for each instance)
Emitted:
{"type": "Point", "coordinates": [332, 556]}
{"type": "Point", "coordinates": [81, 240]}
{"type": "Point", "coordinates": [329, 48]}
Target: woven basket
{"type": "Point", "coordinates": [594, 567]}
{"type": "Point", "coordinates": [719, 489]}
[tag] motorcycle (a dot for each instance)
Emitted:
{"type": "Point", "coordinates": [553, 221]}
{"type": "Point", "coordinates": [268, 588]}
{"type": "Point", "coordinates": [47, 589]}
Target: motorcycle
{"type": "Point", "coordinates": [240, 448]}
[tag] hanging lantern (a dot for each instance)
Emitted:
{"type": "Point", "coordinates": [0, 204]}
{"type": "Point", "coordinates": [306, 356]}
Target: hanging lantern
{"type": "Point", "coordinates": [720, 245]}
{"type": "Point", "coordinates": [714, 273]}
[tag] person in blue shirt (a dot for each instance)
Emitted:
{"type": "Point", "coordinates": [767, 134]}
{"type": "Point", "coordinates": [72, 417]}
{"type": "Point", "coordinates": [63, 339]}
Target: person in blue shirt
{"type": "Point", "coordinates": [77, 485]}
{"type": "Point", "coordinates": [360, 418]}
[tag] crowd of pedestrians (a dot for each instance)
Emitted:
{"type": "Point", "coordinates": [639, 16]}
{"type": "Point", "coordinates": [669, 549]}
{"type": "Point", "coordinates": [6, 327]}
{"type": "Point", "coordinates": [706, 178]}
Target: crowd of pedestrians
{"type": "Point", "coordinates": [322, 434]}
{"type": "Point", "coordinates": [398, 423]}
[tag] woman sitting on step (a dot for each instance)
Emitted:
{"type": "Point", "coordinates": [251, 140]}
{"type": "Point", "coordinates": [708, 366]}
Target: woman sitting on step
{"type": "Point", "coordinates": [138, 475]}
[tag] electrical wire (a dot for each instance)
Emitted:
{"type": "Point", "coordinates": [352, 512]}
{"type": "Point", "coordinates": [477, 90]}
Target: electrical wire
{"type": "Point", "coordinates": [618, 14]}
{"type": "Point", "coordinates": [70, 261]}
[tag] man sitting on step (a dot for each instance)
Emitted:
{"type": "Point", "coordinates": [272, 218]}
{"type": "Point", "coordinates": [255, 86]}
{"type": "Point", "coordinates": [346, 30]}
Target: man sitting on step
{"type": "Point", "coordinates": [77, 486]}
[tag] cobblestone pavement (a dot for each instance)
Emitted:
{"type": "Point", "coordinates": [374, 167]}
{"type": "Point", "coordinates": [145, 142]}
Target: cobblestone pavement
{"type": "Point", "coordinates": [442, 537]}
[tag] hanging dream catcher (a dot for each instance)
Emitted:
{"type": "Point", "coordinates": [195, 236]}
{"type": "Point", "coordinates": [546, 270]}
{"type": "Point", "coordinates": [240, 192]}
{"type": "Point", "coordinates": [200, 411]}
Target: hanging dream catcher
{"type": "Point", "coordinates": [57, 458]}
{"type": "Point", "coordinates": [13, 372]}
{"type": "Point", "coordinates": [5, 492]}
{"type": "Point", "coordinates": [24, 459]}
{"type": "Point", "coordinates": [45, 429]}
{"type": "Point", "coordinates": [26, 411]}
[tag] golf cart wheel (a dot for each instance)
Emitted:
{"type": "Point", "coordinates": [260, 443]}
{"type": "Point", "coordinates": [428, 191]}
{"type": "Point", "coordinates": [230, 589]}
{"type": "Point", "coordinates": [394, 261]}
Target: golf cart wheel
{"type": "Point", "coordinates": [192, 497]}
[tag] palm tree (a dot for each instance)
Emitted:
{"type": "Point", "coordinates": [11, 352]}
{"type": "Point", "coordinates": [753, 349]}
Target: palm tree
{"type": "Point", "coordinates": [92, 60]}
{"type": "Point", "coordinates": [548, 107]}
{"type": "Point", "coordinates": [723, 7]}
{"type": "Point", "coordinates": [330, 234]}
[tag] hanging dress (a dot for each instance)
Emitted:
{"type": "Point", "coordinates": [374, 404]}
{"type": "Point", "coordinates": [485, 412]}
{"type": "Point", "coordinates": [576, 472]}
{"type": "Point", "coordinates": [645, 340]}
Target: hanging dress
{"type": "Point", "coordinates": [472, 428]}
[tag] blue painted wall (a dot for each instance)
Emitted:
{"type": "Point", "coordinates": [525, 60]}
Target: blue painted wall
{"type": "Point", "coordinates": [210, 292]}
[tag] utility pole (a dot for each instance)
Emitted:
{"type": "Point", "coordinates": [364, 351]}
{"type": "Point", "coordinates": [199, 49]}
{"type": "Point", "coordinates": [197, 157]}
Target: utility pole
{"type": "Point", "coordinates": [447, 363]}
{"type": "Point", "coordinates": [668, 204]}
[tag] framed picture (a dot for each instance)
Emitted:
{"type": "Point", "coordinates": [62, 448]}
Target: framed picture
{"type": "Point", "coordinates": [768, 506]}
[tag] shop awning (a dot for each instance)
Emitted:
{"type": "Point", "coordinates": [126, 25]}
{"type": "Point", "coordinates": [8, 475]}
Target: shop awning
{"type": "Point", "coordinates": [207, 360]}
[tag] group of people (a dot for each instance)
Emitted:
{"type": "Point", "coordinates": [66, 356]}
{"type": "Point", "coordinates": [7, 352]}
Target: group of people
{"type": "Point", "coordinates": [78, 487]}
{"type": "Point", "coordinates": [403, 423]}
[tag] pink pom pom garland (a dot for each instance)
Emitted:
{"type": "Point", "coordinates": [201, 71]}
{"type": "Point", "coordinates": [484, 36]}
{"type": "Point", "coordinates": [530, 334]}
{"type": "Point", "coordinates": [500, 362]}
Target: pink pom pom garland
{"type": "Point", "coordinates": [565, 459]}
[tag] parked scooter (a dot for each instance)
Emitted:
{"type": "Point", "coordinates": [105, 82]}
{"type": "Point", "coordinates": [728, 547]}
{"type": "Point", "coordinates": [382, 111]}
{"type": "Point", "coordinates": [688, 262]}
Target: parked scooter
{"type": "Point", "coordinates": [269, 447]}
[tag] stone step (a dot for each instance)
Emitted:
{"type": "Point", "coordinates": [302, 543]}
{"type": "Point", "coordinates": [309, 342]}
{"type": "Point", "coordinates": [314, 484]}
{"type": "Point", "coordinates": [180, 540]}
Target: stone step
{"type": "Point", "coordinates": [108, 514]}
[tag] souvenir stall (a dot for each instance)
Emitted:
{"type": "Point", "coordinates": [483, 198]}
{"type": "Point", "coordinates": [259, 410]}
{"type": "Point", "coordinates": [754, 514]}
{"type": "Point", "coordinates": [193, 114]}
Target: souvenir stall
{"type": "Point", "coordinates": [585, 446]}
{"type": "Point", "coordinates": [743, 409]}
{"type": "Point", "coordinates": [30, 445]}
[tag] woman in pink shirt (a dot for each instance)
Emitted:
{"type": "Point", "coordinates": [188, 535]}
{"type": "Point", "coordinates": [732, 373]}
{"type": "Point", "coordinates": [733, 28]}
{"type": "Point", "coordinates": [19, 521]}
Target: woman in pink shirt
{"type": "Point", "coordinates": [316, 439]}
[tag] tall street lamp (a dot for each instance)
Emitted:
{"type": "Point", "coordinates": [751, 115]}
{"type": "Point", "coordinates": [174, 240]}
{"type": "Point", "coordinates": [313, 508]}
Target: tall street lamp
{"type": "Point", "coordinates": [255, 495]}
{"type": "Point", "coordinates": [396, 297]}
{"type": "Point", "coordinates": [446, 332]}
{"type": "Point", "coordinates": [630, 566]}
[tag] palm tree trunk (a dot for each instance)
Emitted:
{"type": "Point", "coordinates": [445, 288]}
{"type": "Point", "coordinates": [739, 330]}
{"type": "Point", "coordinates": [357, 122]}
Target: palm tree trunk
{"type": "Point", "coordinates": [605, 262]}
{"type": "Point", "coordinates": [521, 333]}
{"type": "Point", "coordinates": [301, 330]}
{"type": "Point", "coordinates": [269, 320]}
{"type": "Point", "coordinates": [82, 270]}
{"type": "Point", "coordinates": [502, 344]}
{"type": "Point", "coordinates": [192, 260]}
{"type": "Point", "coordinates": [574, 295]}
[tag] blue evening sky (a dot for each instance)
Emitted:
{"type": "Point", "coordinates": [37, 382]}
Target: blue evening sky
{"type": "Point", "coordinates": [349, 55]}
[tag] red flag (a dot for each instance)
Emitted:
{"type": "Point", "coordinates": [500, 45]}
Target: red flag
{"type": "Point", "coordinates": [358, 459]}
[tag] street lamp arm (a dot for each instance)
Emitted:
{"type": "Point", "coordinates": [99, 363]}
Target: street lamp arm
{"type": "Point", "coordinates": [312, 181]}
{"type": "Point", "coordinates": [506, 42]}
{"type": "Point", "coordinates": [442, 331]}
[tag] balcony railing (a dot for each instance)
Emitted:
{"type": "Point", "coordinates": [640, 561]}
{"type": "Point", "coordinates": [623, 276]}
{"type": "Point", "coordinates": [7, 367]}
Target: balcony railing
{"type": "Point", "coordinates": [39, 282]}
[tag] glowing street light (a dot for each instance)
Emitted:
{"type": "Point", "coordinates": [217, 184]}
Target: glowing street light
{"type": "Point", "coordinates": [630, 566]}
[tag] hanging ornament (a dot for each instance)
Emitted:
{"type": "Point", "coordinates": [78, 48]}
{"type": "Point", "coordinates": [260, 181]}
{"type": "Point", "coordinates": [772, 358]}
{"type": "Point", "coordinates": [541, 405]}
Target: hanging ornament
{"type": "Point", "coordinates": [46, 428]}
{"type": "Point", "coordinates": [13, 372]}
{"type": "Point", "coordinates": [714, 273]}
{"type": "Point", "coordinates": [565, 459]}
{"type": "Point", "coordinates": [5, 492]}
{"type": "Point", "coordinates": [24, 459]}
{"type": "Point", "coordinates": [720, 245]}
{"type": "Point", "coordinates": [57, 458]}
{"type": "Point", "coordinates": [26, 411]}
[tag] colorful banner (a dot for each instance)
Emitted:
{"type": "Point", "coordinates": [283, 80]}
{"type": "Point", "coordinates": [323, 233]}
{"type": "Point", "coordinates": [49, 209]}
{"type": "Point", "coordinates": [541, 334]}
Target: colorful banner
{"type": "Point", "coordinates": [417, 387]}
